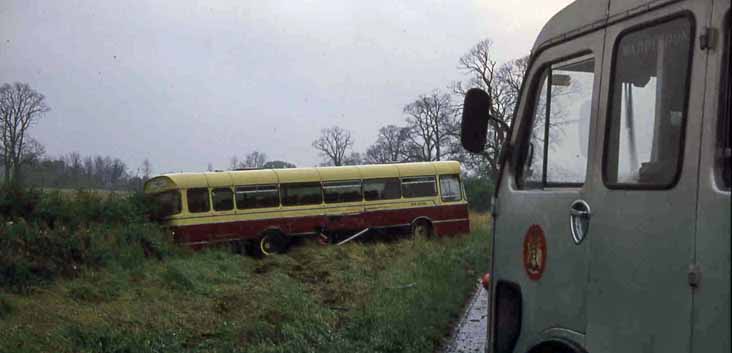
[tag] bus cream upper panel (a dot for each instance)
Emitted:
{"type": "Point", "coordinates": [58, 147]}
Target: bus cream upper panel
{"type": "Point", "coordinates": [218, 179]}
{"type": "Point", "coordinates": [188, 180]}
{"type": "Point", "coordinates": [416, 169]}
{"type": "Point", "coordinates": [379, 171]}
{"type": "Point", "coordinates": [298, 175]}
{"type": "Point", "coordinates": [339, 173]}
{"type": "Point", "coordinates": [254, 177]}
{"type": "Point", "coordinates": [576, 15]}
{"type": "Point", "coordinates": [447, 167]}
{"type": "Point", "coordinates": [159, 184]}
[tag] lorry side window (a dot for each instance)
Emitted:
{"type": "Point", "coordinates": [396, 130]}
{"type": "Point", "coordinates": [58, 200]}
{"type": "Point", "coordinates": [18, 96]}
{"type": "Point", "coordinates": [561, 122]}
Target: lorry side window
{"type": "Point", "coordinates": [725, 124]}
{"type": "Point", "coordinates": [557, 151]}
{"type": "Point", "coordinates": [647, 114]}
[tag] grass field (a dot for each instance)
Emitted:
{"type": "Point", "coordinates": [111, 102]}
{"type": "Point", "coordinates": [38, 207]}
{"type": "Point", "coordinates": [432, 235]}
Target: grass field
{"type": "Point", "coordinates": [398, 296]}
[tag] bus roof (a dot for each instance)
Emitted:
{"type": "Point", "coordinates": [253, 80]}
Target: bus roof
{"type": "Point", "coordinates": [274, 176]}
{"type": "Point", "coordinates": [584, 16]}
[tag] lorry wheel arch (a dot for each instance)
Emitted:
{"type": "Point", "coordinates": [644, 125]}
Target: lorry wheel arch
{"type": "Point", "coordinates": [556, 346]}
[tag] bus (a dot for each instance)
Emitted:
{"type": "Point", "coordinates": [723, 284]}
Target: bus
{"type": "Point", "coordinates": [263, 210]}
{"type": "Point", "coordinates": [611, 215]}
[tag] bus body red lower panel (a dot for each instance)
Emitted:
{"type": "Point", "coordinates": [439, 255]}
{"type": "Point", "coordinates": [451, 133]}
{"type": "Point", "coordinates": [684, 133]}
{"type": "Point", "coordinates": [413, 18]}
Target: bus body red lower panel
{"type": "Point", "coordinates": [446, 220]}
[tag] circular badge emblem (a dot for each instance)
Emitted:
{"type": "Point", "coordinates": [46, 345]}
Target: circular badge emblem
{"type": "Point", "coordinates": [534, 252]}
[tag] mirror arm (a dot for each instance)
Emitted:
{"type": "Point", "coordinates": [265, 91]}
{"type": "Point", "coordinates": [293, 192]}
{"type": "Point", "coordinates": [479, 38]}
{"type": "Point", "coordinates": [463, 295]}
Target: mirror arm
{"type": "Point", "coordinates": [506, 152]}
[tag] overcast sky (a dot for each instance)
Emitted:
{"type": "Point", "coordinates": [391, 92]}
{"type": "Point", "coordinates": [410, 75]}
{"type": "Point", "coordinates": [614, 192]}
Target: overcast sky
{"type": "Point", "coordinates": [185, 83]}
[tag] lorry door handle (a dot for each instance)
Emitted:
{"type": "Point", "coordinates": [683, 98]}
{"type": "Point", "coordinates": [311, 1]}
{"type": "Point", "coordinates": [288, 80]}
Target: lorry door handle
{"type": "Point", "coordinates": [579, 220]}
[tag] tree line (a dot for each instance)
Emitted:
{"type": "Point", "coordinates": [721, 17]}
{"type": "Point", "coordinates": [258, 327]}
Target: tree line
{"type": "Point", "coordinates": [430, 131]}
{"type": "Point", "coordinates": [431, 126]}
{"type": "Point", "coordinates": [85, 172]}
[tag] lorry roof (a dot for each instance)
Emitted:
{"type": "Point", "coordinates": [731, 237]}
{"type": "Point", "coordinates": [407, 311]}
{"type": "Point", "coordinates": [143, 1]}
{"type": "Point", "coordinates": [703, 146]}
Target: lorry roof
{"type": "Point", "coordinates": [587, 15]}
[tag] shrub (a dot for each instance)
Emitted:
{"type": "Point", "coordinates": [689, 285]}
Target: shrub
{"type": "Point", "coordinates": [17, 203]}
{"type": "Point", "coordinates": [6, 308]}
{"type": "Point", "coordinates": [479, 192]}
{"type": "Point", "coordinates": [59, 234]}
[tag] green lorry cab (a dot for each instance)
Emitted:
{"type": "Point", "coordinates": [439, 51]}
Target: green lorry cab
{"type": "Point", "coordinates": [612, 210]}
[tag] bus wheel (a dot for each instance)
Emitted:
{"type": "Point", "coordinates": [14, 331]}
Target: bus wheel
{"type": "Point", "coordinates": [421, 229]}
{"type": "Point", "coordinates": [273, 242]}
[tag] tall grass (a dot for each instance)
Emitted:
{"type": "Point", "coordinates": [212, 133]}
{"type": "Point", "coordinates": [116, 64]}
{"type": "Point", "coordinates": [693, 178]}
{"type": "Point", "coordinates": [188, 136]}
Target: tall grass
{"type": "Point", "coordinates": [44, 236]}
{"type": "Point", "coordinates": [89, 274]}
{"type": "Point", "coordinates": [374, 297]}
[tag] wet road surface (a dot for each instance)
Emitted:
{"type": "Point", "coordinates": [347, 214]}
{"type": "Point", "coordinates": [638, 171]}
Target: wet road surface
{"type": "Point", "coordinates": [470, 334]}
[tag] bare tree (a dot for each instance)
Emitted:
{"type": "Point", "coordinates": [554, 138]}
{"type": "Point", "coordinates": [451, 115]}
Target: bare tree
{"type": "Point", "coordinates": [146, 169]}
{"type": "Point", "coordinates": [20, 108]}
{"type": "Point", "coordinates": [354, 158]}
{"type": "Point", "coordinates": [233, 163]}
{"type": "Point", "coordinates": [391, 146]}
{"type": "Point", "coordinates": [503, 83]}
{"type": "Point", "coordinates": [278, 165]}
{"type": "Point", "coordinates": [432, 125]}
{"type": "Point", "coordinates": [333, 144]}
{"type": "Point", "coordinates": [117, 172]}
{"type": "Point", "coordinates": [74, 163]}
{"type": "Point", "coordinates": [33, 151]}
{"type": "Point", "coordinates": [255, 159]}
{"type": "Point", "coordinates": [88, 168]}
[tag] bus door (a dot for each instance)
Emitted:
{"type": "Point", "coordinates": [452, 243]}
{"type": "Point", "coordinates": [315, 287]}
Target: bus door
{"type": "Point", "coordinates": [641, 211]}
{"type": "Point", "coordinates": [535, 248]}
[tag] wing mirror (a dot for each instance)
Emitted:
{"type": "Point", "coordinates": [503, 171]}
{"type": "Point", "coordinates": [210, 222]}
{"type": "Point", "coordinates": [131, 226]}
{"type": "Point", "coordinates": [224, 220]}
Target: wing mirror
{"type": "Point", "coordinates": [476, 113]}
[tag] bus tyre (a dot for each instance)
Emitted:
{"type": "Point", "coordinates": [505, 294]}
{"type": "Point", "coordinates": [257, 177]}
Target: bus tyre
{"type": "Point", "coordinates": [421, 229]}
{"type": "Point", "coordinates": [273, 242]}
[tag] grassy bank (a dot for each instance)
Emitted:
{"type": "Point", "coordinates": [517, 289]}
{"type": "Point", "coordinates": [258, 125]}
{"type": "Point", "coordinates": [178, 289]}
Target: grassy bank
{"type": "Point", "coordinates": [90, 274]}
{"type": "Point", "coordinates": [375, 297]}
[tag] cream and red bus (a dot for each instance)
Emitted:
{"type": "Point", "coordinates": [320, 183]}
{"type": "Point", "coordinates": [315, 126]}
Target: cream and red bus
{"type": "Point", "coordinates": [264, 209]}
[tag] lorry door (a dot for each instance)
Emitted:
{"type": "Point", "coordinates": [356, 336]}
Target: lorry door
{"type": "Point", "coordinates": [711, 295]}
{"type": "Point", "coordinates": [534, 246]}
{"type": "Point", "coordinates": [643, 206]}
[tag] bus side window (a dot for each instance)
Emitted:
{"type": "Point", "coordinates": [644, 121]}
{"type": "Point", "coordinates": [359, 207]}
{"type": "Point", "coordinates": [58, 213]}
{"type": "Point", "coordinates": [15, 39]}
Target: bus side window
{"type": "Point", "coordinates": [342, 191]}
{"type": "Point", "coordinates": [297, 194]}
{"type": "Point", "coordinates": [419, 186]}
{"type": "Point", "coordinates": [223, 199]}
{"type": "Point", "coordinates": [198, 200]}
{"type": "Point", "coordinates": [556, 154]}
{"type": "Point", "coordinates": [648, 106]}
{"type": "Point", "coordinates": [261, 196]}
{"type": "Point", "coordinates": [382, 189]}
{"type": "Point", "coordinates": [450, 187]}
